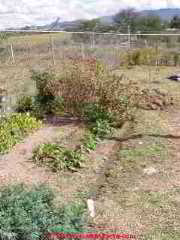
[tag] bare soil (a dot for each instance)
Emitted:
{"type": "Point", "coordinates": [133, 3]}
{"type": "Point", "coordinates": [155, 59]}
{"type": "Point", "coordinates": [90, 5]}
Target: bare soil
{"type": "Point", "coordinates": [17, 166]}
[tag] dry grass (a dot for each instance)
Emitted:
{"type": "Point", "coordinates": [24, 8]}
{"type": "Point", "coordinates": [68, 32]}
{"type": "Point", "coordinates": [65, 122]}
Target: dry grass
{"type": "Point", "coordinates": [154, 77]}
{"type": "Point", "coordinates": [36, 39]}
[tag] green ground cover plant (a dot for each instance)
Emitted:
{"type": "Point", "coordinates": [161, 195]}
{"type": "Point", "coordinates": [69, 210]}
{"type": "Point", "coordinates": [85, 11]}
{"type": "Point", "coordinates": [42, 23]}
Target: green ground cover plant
{"type": "Point", "coordinates": [14, 127]}
{"type": "Point", "coordinates": [28, 214]}
{"type": "Point", "coordinates": [57, 158]}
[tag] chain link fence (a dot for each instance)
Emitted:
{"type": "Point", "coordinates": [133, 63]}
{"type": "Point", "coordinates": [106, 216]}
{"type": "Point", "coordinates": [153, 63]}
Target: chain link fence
{"type": "Point", "coordinates": [52, 48]}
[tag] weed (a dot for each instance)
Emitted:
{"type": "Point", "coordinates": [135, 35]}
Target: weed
{"type": "Point", "coordinates": [90, 141]}
{"type": "Point", "coordinates": [14, 127]}
{"type": "Point", "coordinates": [57, 158]}
{"type": "Point", "coordinates": [101, 128]}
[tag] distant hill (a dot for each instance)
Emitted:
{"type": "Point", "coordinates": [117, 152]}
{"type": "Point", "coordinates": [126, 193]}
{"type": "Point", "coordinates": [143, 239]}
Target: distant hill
{"type": "Point", "coordinates": [58, 25]}
{"type": "Point", "coordinates": [164, 14]}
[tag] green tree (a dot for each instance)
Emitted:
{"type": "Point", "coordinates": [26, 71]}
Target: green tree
{"type": "Point", "coordinates": [175, 22]}
{"type": "Point", "coordinates": [126, 17]}
{"type": "Point", "coordinates": [149, 24]}
{"type": "Point", "coordinates": [89, 25]}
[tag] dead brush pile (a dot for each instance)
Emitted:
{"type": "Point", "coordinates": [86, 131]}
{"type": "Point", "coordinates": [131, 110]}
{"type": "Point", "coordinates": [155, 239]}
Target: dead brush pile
{"type": "Point", "coordinates": [155, 100]}
{"type": "Point", "coordinates": [86, 82]}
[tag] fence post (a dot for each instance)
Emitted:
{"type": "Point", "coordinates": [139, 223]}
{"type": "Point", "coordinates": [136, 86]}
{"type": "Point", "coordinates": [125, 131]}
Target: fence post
{"type": "Point", "coordinates": [93, 40]}
{"type": "Point", "coordinates": [28, 52]}
{"type": "Point", "coordinates": [129, 36]}
{"type": "Point", "coordinates": [82, 51]}
{"type": "Point", "coordinates": [12, 53]}
{"type": "Point", "coordinates": [52, 50]}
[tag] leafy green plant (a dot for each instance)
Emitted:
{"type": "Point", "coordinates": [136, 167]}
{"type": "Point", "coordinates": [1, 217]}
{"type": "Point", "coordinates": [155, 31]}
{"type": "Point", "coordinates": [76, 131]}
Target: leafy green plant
{"type": "Point", "coordinates": [101, 128]}
{"type": "Point", "coordinates": [14, 128]}
{"type": "Point", "coordinates": [30, 214]}
{"type": "Point", "coordinates": [94, 112]}
{"type": "Point", "coordinates": [90, 141]}
{"type": "Point", "coordinates": [57, 157]}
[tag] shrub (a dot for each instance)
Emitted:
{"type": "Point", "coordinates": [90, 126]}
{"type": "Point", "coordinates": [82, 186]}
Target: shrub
{"type": "Point", "coordinates": [14, 128]}
{"type": "Point", "coordinates": [29, 214]}
{"type": "Point", "coordinates": [94, 112]}
{"type": "Point", "coordinates": [44, 102]}
{"type": "Point", "coordinates": [42, 80]}
{"type": "Point", "coordinates": [57, 157]}
{"type": "Point", "coordinates": [25, 104]}
{"type": "Point", "coordinates": [56, 107]}
{"type": "Point", "coordinates": [85, 85]}
{"type": "Point", "coordinates": [148, 56]}
{"type": "Point", "coordinates": [44, 98]}
{"type": "Point", "coordinates": [144, 56]}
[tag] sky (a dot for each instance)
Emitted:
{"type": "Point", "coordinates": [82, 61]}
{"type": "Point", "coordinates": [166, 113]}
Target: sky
{"type": "Point", "coordinates": [16, 13]}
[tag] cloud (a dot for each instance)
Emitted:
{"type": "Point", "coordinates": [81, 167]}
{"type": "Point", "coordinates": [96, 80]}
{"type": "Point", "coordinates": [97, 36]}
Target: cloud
{"type": "Point", "coordinates": [15, 13]}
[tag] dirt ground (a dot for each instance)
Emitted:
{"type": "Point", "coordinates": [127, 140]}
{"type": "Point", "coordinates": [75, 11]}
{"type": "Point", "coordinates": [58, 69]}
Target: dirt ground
{"type": "Point", "coordinates": [128, 198]}
{"type": "Point", "coordinates": [133, 178]}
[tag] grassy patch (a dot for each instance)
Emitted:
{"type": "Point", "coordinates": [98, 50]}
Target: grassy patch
{"type": "Point", "coordinates": [14, 128]}
{"type": "Point", "coordinates": [57, 158]}
{"type": "Point", "coordinates": [139, 156]}
{"type": "Point", "coordinates": [37, 39]}
{"type": "Point", "coordinates": [151, 122]}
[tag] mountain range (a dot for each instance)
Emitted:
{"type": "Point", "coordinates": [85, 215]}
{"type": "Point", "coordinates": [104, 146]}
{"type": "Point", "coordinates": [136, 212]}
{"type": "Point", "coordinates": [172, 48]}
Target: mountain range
{"type": "Point", "coordinates": [165, 14]}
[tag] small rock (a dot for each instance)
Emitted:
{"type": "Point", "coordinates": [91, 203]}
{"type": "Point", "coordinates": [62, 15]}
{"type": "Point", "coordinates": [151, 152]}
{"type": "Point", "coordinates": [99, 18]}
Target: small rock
{"type": "Point", "coordinates": [150, 171]}
{"type": "Point", "coordinates": [90, 204]}
{"type": "Point", "coordinates": [140, 143]}
{"type": "Point", "coordinates": [3, 99]}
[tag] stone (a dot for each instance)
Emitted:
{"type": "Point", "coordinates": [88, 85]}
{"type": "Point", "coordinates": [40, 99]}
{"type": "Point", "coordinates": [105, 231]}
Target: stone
{"type": "Point", "coordinates": [150, 171]}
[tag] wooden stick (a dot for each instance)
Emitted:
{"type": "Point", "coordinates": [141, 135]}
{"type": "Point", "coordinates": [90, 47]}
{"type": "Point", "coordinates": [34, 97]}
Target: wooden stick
{"type": "Point", "coordinates": [12, 53]}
